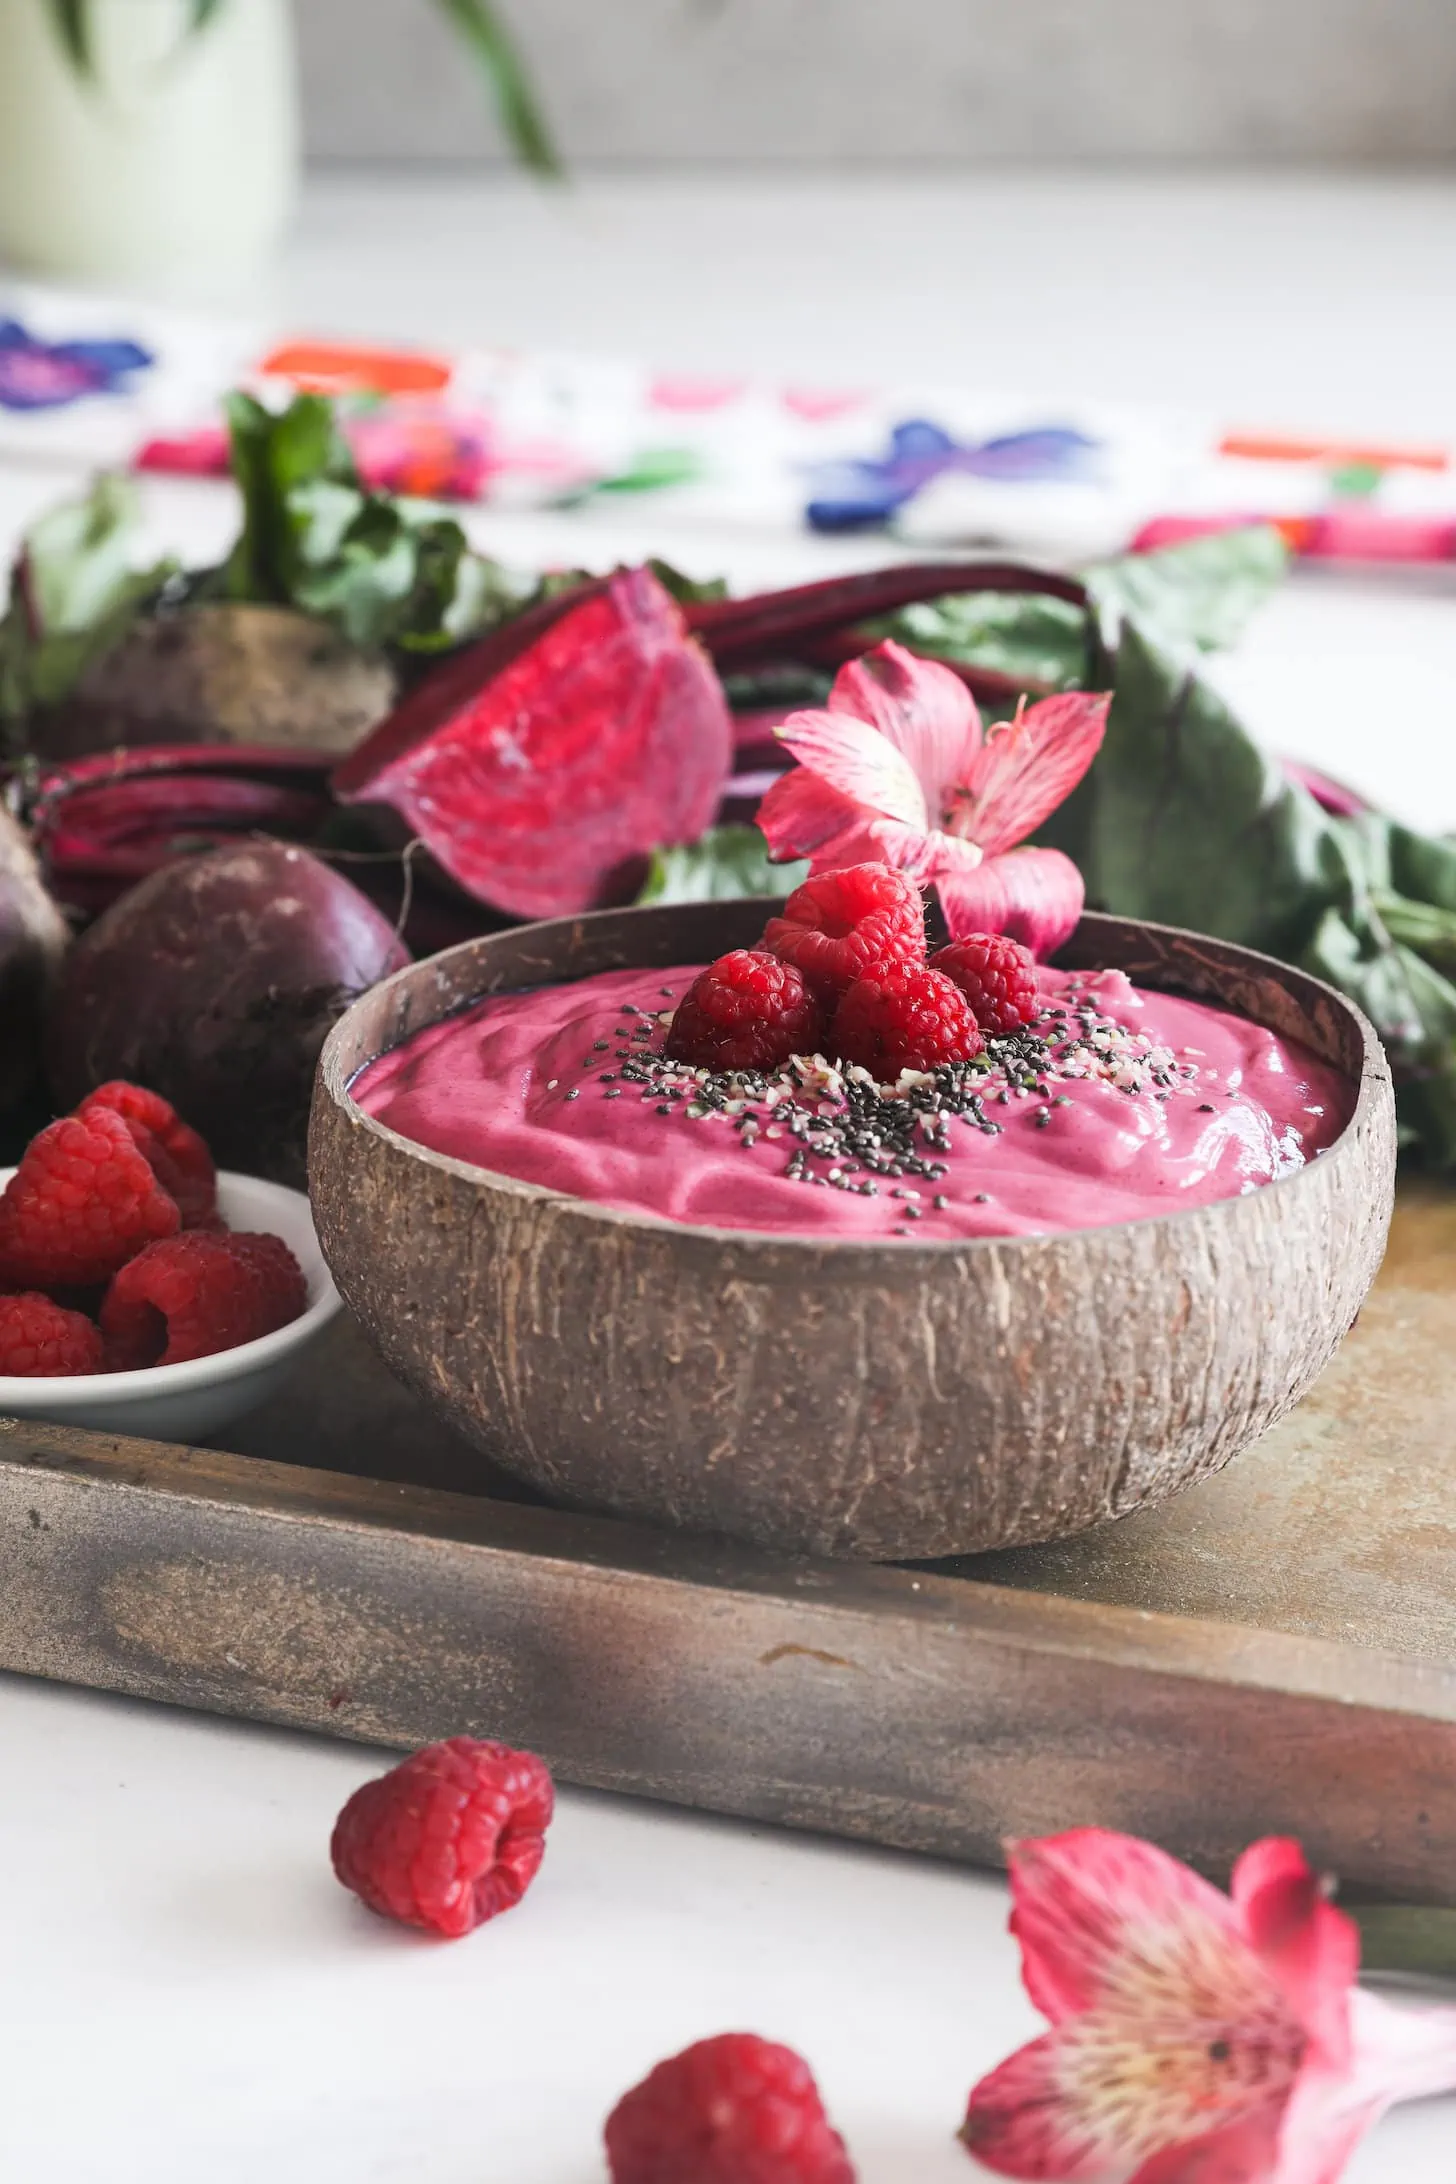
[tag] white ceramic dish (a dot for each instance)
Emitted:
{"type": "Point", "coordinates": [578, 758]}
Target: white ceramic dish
{"type": "Point", "coordinates": [188, 1402]}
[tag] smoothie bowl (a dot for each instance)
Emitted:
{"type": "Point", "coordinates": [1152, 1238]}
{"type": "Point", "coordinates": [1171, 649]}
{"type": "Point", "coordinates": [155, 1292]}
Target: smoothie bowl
{"type": "Point", "coordinates": [973, 1310]}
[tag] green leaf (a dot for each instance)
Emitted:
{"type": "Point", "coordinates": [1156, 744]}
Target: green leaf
{"type": "Point", "coordinates": [203, 12]}
{"type": "Point", "coordinates": [1185, 819]}
{"type": "Point", "coordinates": [1420, 926]}
{"type": "Point", "coordinates": [1200, 594]}
{"type": "Point", "coordinates": [1399, 1937]}
{"type": "Point", "coordinates": [496, 50]}
{"type": "Point", "coordinates": [70, 19]}
{"type": "Point", "coordinates": [723, 864]}
{"type": "Point", "coordinates": [381, 569]}
{"type": "Point", "coordinates": [1030, 637]}
{"type": "Point", "coordinates": [687, 590]}
{"type": "Point", "coordinates": [74, 593]}
{"type": "Point", "coordinates": [274, 454]}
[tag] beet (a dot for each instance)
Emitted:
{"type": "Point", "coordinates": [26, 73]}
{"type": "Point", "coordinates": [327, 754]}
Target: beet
{"type": "Point", "coordinates": [33, 939]}
{"type": "Point", "coordinates": [221, 672]}
{"type": "Point", "coordinates": [544, 765]}
{"type": "Point", "coordinates": [215, 983]}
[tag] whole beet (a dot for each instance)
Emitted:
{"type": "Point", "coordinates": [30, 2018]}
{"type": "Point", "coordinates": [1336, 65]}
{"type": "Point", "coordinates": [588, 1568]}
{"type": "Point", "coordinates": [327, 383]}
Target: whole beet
{"type": "Point", "coordinates": [216, 982]}
{"type": "Point", "coordinates": [32, 942]}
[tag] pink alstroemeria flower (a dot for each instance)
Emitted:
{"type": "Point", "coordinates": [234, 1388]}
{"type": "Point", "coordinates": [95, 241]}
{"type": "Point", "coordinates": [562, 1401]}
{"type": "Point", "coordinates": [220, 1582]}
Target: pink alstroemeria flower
{"type": "Point", "coordinates": [899, 771]}
{"type": "Point", "coordinates": [1196, 2038]}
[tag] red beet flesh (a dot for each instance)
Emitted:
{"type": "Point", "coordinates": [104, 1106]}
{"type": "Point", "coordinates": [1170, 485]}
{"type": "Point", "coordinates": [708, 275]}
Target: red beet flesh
{"type": "Point", "coordinates": [540, 774]}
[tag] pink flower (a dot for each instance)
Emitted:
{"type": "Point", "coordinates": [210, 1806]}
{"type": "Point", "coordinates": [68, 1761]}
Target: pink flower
{"type": "Point", "coordinates": [1196, 2038]}
{"type": "Point", "coordinates": [899, 771]}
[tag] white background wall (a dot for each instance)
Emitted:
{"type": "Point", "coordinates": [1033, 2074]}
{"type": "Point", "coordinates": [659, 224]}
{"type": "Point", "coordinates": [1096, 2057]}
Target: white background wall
{"type": "Point", "coordinates": [905, 81]}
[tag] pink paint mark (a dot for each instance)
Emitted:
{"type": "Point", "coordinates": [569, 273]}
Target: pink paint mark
{"type": "Point", "coordinates": [684, 392]}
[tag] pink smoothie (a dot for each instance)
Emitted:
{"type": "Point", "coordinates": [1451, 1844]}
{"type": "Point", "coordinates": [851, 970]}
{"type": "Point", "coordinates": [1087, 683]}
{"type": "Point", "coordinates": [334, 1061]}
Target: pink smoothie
{"type": "Point", "coordinates": [1122, 1104]}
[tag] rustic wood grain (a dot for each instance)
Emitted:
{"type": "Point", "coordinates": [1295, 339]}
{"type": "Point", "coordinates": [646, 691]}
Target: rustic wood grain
{"type": "Point", "coordinates": [935, 1713]}
{"type": "Point", "coordinates": [887, 1401]}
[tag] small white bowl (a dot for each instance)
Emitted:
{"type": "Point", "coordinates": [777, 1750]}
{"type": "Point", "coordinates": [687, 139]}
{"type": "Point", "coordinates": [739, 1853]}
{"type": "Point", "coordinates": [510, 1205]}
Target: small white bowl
{"type": "Point", "coordinates": [188, 1402]}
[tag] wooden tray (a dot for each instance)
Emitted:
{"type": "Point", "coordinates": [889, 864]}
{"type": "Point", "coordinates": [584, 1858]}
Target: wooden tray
{"type": "Point", "coordinates": [1274, 1651]}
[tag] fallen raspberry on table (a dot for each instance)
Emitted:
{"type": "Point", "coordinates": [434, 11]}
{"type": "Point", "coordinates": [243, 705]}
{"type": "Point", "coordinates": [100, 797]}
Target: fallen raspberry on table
{"type": "Point", "coordinates": [842, 924]}
{"type": "Point", "coordinates": [904, 1017]}
{"type": "Point", "coordinates": [996, 975]}
{"type": "Point", "coordinates": [733, 2110]}
{"type": "Point", "coordinates": [746, 1011]}
{"type": "Point", "coordinates": [448, 1839]}
{"type": "Point", "coordinates": [41, 1341]}
{"type": "Point", "coordinates": [82, 1202]}
{"type": "Point", "coordinates": [178, 1156]}
{"type": "Point", "coordinates": [197, 1294]}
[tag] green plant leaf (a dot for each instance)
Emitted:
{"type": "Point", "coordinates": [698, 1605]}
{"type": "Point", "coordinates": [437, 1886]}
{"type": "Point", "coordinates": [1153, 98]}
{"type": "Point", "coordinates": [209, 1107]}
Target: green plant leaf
{"type": "Point", "coordinates": [1032, 638]}
{"type": "Point", "coordinates": [201, 13]}
{"type": "Point", "coordinates": [686, 590]}
{"type": "Point", "coordinates": [273, 455]}
{"type": "Point", "coordinates": [70, 19]}
{"type": "Point", "coordinates": [383, 570]}
{"type": "Point", "coordinates": [1399, 1937]}
{"type": "Point", "coordinates": [723, 864]}
{"type": "Point", "coordinates": [1200, 594]}
{"type": "Point", "coordinates": [74, 593]}
{"type": "Point", "coordinates": [1185, 821]}
{"type": "Point", "coordinates": [496, 50]}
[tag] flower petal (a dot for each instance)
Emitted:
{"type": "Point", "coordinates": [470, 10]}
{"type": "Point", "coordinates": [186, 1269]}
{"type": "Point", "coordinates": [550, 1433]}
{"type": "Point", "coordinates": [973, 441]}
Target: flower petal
{"type": "Point", "coordinates": [1101, 1915]}
{"type": "Point", "coordinates": [1098, 2103]}
{"type": "Point", "coordinates": [801, 813]}
{"type": "Point", "coordinates": [1033, 895]}
{"type": "Point", "coordinates": [1021, 2122]}
{"type": "Point", "coordinates": [919, 706]}
{"type": "Point", "coordinates": [801, 816]}
{"type": "Point", "coordinates": [859, 762]}
{"type": "Point", "coordinates": [1026, 767]}
{"type": "Point", "coordinates": [1246, 2152]}
{"type": "Point", "coordinates": [1312, 1949]}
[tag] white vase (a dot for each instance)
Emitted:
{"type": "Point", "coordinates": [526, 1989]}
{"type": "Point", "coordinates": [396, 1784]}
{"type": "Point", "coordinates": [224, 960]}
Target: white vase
{"type": "Point", "coordinates": [173, 169]}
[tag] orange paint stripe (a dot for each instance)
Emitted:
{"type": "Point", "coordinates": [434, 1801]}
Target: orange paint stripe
{"type": "Point", "coordinates": [1267, 448]}
{"type": "Point", "coordinates": [330, 367]}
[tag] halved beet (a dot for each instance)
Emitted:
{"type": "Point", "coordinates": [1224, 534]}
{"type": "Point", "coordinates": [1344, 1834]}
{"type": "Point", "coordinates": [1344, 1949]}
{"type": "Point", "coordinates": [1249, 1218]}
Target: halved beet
{"type": "Point", "coordinates": [104, 822]}
{"type": "Point", "coordinates": [545, 763]}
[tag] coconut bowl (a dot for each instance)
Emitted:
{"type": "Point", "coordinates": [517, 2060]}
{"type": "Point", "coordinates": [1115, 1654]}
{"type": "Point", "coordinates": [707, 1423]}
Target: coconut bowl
{"type": "Point", "coordinates": [846, 1398]}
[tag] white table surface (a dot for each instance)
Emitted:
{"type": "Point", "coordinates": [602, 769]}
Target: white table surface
{"type": "Point", "coordinates": [185, 1991]}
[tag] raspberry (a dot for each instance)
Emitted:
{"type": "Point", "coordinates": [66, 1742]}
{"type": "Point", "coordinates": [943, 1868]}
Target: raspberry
{"type": "Point", "coordinates": [82, 1202]}
{"type": "Point", "coordinates": [734, 2110]}
{"type": "Point", "coordinates": [450, 1837]}
{"type": "Point", "coordinates": [746, 1011]}
{"type": "Point", "coordinates": [197, 1294]}
{"type": "Point", "coordinates": [904, 1016]}
{"type": "Point", "coordinates": [842, 924]}
{"type": "Point", "coordinates": [178, 1156]}
{"type": "Point", "coordinates": [40, 1341]}
{"type": "Point", "coordinates": [996, 975]}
